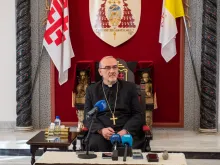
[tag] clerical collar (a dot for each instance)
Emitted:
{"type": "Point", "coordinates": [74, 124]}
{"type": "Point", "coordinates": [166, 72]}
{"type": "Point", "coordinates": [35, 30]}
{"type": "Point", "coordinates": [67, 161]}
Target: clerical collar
{"type": "Point", "coordinates": [110, 85]}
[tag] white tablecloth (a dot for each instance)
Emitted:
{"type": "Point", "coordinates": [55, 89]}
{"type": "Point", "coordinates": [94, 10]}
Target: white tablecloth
{"type": "Point", "coordinates": [71, 158]}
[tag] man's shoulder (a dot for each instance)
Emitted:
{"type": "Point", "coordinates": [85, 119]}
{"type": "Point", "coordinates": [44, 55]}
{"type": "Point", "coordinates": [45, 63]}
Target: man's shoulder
{"type": "Point", "coordinates": [121, 82]}
{"type": "Point", "coordinates": [127, 83]}
{"type": "Point", "coordinates": [94, 85]}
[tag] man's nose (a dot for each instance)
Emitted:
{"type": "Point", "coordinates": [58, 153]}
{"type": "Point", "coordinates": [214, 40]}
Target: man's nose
{"type": "Point", "coordinates": [112, 69]}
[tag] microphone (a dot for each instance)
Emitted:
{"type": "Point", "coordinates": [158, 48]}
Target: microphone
{"type": "Point", "coordinates": [115, 140]}
{"type": "Point", "coordinates": [127, 142]}
{"type": "Point", "coordinates": [98, 107]}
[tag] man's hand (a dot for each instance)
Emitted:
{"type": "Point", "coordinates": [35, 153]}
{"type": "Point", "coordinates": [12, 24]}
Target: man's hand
{"type": "Point", "coordinates": [122, 132]}
{"type": "Point", "coordinates": [107, 132]}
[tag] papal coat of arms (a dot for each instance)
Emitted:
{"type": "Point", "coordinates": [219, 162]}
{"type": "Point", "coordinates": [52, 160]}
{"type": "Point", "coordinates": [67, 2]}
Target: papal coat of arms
{"type": "Point", "coordinates": [115, 21]}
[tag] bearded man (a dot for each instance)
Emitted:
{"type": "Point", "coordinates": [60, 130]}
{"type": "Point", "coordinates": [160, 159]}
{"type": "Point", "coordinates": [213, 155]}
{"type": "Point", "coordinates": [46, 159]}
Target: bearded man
{"type": "Point", "coordinates": [123, 114]}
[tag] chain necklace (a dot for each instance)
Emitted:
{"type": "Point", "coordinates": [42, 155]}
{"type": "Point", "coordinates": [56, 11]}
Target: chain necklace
{"type": "Point", "coordinates": [116, 97]}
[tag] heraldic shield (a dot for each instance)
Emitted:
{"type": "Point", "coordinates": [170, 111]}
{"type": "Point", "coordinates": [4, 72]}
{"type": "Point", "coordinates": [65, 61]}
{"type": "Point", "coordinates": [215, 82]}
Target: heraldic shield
{"type": "Point", "coordinates": [115, 21]}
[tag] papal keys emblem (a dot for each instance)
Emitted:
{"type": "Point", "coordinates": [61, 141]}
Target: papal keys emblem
{"type": "Point", "coordinates": [115, 21]}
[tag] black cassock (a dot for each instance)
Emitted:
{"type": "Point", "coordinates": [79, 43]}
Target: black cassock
{"type": "Point", "coordinates": [128, 112]}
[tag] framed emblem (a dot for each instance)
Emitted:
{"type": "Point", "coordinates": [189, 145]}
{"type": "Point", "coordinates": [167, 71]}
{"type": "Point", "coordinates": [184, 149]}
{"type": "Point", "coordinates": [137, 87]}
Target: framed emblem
{"type": "Point", "coordinates": [115, 21]}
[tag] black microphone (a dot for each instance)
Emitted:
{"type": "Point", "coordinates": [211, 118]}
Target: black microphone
{"type": "Point", "coordinates": [98, 107]}
{"type": "Point", "coordinates": [115, 140]}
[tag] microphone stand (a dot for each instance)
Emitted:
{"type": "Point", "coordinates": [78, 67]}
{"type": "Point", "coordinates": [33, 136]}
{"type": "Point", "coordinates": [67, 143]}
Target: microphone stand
{"type": "Point", "coordinates": [125, 153]}
{"type": "Point", "coordinates": [87, 155]}
{"type": "Point", "coordinates": [115, 152]}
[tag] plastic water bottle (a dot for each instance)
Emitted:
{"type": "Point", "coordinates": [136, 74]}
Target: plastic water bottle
{"type": "Point", "coordinates": [57, 126]}
{"type": "Point", "coordinates": [51, 129]}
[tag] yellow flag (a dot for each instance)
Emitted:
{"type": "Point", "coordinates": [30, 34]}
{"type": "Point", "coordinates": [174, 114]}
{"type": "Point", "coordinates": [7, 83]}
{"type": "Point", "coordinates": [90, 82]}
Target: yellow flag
{"type": "Point", "coordinates": [175, 7]}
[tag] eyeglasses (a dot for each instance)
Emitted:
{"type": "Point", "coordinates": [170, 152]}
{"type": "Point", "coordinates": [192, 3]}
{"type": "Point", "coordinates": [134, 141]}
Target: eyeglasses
{"type": "Point", "coordinates": [114, 67]}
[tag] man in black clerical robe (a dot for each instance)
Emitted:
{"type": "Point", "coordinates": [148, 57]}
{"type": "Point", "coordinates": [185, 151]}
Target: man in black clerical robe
{"type": "Point", "coordinates": [122, 104]}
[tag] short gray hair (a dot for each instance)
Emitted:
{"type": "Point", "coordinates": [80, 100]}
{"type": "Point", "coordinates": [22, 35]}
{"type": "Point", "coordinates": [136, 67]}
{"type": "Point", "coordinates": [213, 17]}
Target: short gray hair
{"type": "Point", "coordinates": [100, 65]}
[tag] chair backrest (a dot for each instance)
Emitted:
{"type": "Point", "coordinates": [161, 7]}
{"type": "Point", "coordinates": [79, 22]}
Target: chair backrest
{"type": "Point", "coordinates": [125, 73]}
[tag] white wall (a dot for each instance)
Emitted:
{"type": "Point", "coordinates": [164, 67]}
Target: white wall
{"type": "Point", "coordinates": [7, 61]}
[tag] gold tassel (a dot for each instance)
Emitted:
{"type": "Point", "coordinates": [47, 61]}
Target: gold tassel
{"type": "Point", "coordinates": [186, 6]}
{"type": "Point", "coordinates": [47, 9]}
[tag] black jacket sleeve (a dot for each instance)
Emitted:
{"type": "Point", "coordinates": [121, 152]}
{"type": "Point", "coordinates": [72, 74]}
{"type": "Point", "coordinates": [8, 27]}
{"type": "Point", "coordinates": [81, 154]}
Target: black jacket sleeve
{"type": "Point", "coordinates": [135, 123]}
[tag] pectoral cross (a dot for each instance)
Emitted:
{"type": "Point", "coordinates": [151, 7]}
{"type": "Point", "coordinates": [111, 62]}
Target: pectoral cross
{"type": "Point", "coordinates": [113, 118]}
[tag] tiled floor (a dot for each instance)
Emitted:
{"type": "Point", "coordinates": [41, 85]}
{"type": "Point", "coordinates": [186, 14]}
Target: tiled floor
{"type": "Point", "coordinates": [170, 140]}
{"type": "Point", "coordinates": [190, 141]}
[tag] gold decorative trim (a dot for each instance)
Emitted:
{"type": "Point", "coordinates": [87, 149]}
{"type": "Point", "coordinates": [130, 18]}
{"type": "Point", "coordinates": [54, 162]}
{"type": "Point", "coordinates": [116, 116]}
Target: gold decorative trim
{"type": "Point", "coordinates": [80, 100]}
{"type": "Point", "coordinates": [73, 99]}
{"type": "Point", "coordinates": [121, 68]}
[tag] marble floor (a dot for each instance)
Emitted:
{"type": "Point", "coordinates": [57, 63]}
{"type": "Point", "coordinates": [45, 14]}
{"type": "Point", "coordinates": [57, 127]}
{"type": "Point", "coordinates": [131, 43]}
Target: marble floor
{"type": "Point", "coordinates": [199, 149]}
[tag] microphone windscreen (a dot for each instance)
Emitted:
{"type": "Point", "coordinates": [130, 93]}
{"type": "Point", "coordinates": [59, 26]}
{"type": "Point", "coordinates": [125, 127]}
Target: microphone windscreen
{"type": "Point", "coordinates": [101, 105]}
{"type": "Point", "coordinates": [115, 138]}
{"type": "Point", "coordinates": [127, 139]}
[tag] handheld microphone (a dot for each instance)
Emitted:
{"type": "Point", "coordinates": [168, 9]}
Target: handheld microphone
{"type": "Point", "coordinates": [127, 142]}
{"type": "Point", "coordinates": [98, 107]}
{"type": "Point", "coordinates": [115, 140]}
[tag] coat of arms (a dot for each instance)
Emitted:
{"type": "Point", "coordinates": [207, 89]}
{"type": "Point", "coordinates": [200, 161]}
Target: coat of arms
{"type": "Point", "coordinates": [115, 21]}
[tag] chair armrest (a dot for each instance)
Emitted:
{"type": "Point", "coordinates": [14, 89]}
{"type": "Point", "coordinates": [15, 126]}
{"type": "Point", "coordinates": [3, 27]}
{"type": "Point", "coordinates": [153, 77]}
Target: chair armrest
{"type": "Point", "coordinates": [147, 131]}
{"type": "Point", "coordinates": [82, 134]}
{"type": "Point", "coordinates": [148, 137]}
{"type": "Point", "coordinates": [81, 137]}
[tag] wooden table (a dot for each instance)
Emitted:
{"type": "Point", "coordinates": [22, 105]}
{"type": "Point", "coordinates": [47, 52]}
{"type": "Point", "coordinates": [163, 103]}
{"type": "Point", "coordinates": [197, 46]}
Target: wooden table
{"type": "Point", "coordinates": [42, 141]}
{"type": "Point", "coordinates": [70, 158]}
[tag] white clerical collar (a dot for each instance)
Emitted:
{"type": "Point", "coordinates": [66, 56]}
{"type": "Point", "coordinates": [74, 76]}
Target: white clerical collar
{"type": "Point", "coordinates": [110, 85]}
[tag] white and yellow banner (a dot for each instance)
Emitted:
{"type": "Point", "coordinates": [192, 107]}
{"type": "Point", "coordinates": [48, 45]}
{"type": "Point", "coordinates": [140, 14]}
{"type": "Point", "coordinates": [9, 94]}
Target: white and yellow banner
{"type": "Point", "coordinates": [171, 10]}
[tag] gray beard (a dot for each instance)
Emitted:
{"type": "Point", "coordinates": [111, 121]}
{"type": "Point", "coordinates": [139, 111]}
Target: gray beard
{"type": "Point", "coordinates": [110, 83]}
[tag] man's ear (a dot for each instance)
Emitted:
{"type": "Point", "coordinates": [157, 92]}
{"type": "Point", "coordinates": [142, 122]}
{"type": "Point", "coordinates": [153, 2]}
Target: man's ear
{"type": "Point", "coordinates": [100, 72]}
